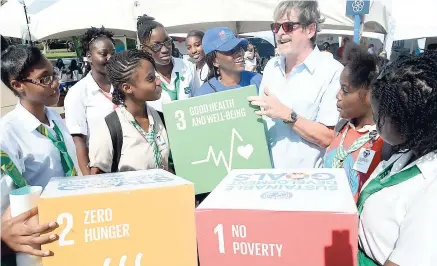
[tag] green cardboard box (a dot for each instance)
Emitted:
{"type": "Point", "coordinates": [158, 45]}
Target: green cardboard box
{"type": "Point", "coordinates": [213, 134]}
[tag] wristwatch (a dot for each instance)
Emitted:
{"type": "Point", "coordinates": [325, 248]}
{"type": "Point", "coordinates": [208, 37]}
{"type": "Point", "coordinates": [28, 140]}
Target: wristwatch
{"type": "Point", "coordinates": [292, 119]}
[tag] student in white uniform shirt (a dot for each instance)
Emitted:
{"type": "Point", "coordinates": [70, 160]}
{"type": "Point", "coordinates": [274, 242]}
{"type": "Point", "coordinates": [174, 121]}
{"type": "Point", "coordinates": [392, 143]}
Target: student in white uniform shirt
{"type": "Point", "coordinates": [143, 138]}
{"type": "Point", "coordinates": [398, 204]}
{"type": "Point", "coordinates": [298, 89]}
{"type": "Point", "coordinates": [34, 142]}
{"type": "Point", "coordinates": [90, 100]}
{"type": "Point", "coordinates": [195, 51]}
{"type": "Point", "coordinates": [179, 78]}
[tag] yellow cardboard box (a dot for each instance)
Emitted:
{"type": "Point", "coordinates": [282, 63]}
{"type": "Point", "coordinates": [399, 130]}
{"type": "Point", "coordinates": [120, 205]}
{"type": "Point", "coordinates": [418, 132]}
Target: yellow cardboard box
{"type": "Point", "coordinates": [142, 218]}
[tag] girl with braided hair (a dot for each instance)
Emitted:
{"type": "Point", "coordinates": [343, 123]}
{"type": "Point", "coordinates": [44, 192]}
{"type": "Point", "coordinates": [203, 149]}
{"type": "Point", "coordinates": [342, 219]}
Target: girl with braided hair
{"type": "Point", "coordinates": [90, 100]}
{"type": "Point", "coordinates": [397, 205]}
{"type": "Point", "coordinates": [178, 76]}
{"type": "Point", "coordinates": [144, 142]}
{"type": "Point", "coordinates": [355, 134]}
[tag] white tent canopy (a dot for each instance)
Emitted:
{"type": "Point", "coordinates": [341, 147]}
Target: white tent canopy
{"type": "Point", "coordinates": [177, 15]}
{"type": "Point", "coordinates": [78, 15]}
{"type": "Point", "coordinates": [414, 20]}
{"type": "Point", "coordinates": [13, 20]}
{"type": "Point", "coordinates": [242, 16]}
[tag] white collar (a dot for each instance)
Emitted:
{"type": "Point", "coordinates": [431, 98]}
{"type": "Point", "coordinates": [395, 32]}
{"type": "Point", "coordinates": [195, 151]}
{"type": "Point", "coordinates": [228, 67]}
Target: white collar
{"type": "Point", "coordinates": [129, 117]}
{"type": "Point", "coordinates": [366, 128]}
{"type": "Point", "coordinates": [92, 84]}
{"type": "Point", "coordinates": [310, 63]}
{"type": "Point", "coordinates": [29, 121]}
{"type": "Point", "coordinates": [427, 164]}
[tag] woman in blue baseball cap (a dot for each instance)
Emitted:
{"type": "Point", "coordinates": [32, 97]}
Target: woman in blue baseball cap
{"type": "Point", "coordinates": [225, 59]}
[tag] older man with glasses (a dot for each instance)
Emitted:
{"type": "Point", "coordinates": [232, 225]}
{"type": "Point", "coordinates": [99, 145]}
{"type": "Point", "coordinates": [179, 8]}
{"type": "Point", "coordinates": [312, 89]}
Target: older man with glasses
{"type": "Point", "coordinates": [298, 90]}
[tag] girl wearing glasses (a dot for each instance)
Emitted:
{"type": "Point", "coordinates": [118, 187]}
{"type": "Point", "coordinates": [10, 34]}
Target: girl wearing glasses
{"type": "Point", "coordinates": [35, 145]}
{"type": "Point", "coordinates": [225, 59]}
{"type": "Point", "coordinates": [178, 77]}
{"type": "Point", "coordinates": [397, 205]}
{"type": "Point", "coordinates": [144, 138]}
{"type": "Point", "coordinates": [90, 100]}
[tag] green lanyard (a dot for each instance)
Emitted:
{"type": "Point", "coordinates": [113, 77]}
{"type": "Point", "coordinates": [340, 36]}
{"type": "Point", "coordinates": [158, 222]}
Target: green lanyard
{"type": "Point", "coordinates": [342, 154]}
{"type": "Point", "coordinates": [150, 138]}
{"type": "Point", "coordinates": [8, 167]}
{"type": "Point", "coordinates": [173, 93]}
{"type": "Point", "coordinates": [381, 181]}
{"type": "Point", "coordinates": [58, 141]}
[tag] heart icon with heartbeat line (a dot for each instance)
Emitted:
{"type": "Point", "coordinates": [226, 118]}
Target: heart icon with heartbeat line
{"type": "Point", "coordinates": [245, 151]}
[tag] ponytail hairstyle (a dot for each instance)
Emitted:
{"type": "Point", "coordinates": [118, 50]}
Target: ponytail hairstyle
{"type": "Point", "coordinates": [362, 66]}
{"type": "Point", "coordinates": [213, 70]}
{"type": "Point", "coordinates": [145, 26]}
{"type": "Point", "coordinates": [92, 35]}
{"type": "Point", "coordinates": [121, 68]}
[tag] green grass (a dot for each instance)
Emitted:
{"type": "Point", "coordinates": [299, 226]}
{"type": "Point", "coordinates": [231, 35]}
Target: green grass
{"type": "Point", "coordinates": [59, 53]}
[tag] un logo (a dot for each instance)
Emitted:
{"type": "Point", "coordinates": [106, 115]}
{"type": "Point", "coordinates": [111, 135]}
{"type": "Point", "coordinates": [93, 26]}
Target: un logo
{"type": "Point", "coordinates": [358, 5]}
{"type": "Point", "coordinates": [277, 195]}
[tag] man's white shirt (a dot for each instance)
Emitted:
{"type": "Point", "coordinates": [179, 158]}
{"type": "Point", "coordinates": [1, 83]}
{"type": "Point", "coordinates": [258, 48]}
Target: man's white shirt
{"type": "Point", "coordinates": [310, 90]}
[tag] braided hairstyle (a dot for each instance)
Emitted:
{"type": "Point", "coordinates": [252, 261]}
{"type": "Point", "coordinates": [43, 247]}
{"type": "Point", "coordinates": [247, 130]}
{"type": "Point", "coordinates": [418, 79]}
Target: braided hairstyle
{"type": "Point", "coordinates": [406, 91]}
{"type": "Point", "coordinates": [121, 68]}
{"type": "Point", "coordinates": [361, 65]}
{"type": "Point", "coordinates": [145, 26]}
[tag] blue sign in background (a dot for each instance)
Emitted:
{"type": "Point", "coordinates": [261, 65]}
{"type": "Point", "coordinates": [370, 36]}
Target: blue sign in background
{"type": "Point", "coordinates": [357, 7]}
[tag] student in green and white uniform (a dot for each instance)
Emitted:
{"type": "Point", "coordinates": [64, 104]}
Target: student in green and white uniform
{"type": "Point", "coordinates": [34, 142]}
{"type": "Point", "coordinates": [398, 204]}
{"type": "Point", "coordinates": [143, 140]}
{"type": "Point", "coordinates": [179, 78]}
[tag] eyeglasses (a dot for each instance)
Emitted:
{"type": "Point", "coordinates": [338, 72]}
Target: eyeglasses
{"type": "Point", "coordinates": [156, 47]}
{"type": "Point", "coordinates": [45, 81]}
{"type": "Point", "coordinates": [286, 26]}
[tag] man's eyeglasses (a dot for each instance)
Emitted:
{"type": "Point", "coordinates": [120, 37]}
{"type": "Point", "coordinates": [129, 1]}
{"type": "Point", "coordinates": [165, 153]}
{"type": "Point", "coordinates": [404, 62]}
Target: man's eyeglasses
{"type": "Point", "coordinates": [45, 81]}
{"type": "Point", "coordinates": [286, 26]}
{"type": "Point", "coordinates": [156, 47]}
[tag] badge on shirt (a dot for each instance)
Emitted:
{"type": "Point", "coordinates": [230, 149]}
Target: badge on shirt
{"type": "Point", "coordinates": [160, 141]}
{"type": "Point", "coordinates": [364, 160]}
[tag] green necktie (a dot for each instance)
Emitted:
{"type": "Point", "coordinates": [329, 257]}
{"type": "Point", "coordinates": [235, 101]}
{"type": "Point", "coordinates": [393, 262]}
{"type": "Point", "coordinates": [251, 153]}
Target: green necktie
{"type": "Point", "coordinates": [173, 93]}
{"type": "Point", "coordinates": [9, 168]}
{"type": "Point", "coordinates": [381, 181]}
{"type": "Point", "coordinates": [58, 141]}
{"type": "Point", "coordinates": [342, 154]}
{"type": "Point", "coordinates": [151, 139]}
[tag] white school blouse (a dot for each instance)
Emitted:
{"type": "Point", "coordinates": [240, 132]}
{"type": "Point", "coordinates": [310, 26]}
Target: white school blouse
{"type": "Point", "coordinates": [86, 106]}
{"type": "Point", "coordinates": [189, 81]}
{"type": "Point", "coordinates": [399, 223]}
{"type": "Point", "coordinates": [136, 153]}
{"type": "Point", "coordinates": [35, 156]}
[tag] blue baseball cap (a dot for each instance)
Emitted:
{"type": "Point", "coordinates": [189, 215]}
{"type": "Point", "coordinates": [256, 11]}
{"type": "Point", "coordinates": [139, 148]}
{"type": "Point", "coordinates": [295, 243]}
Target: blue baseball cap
{"type": "Point", "coordinates": [221, 39]}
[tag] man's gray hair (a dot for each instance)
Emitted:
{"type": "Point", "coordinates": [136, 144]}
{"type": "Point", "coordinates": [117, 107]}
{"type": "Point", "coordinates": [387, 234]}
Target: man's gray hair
{"type": "Point", "coordinates": [309, 13]}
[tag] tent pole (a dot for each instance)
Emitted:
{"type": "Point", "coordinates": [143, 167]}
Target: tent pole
{"type": "Point", "coordinates": [357, 29]}
{"type": "Point", "coordinates": [27, 22]}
